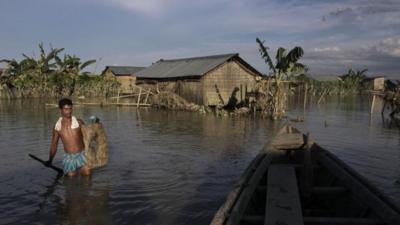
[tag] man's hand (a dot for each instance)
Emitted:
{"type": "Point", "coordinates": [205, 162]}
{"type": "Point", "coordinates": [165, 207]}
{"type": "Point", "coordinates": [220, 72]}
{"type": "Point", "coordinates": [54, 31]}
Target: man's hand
{"type": "Point", "coordinates": [47, 163]}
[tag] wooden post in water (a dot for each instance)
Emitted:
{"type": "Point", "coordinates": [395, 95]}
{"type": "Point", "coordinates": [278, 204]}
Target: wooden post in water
{"type": "Point", "coordinates": [305, 96]}
{"type": "Point", "coordinates": [322, 96]}
{"type": "Point", "coordinates": [241, 92]}
{"type": "Point", "coordinates": [118, 95]}
{"type": "Point", "coordinates": [373, 104]}
{"type": "Point", "coordinates": [147, 96]}
{"type": "Point", "coordinates": [138, 100]}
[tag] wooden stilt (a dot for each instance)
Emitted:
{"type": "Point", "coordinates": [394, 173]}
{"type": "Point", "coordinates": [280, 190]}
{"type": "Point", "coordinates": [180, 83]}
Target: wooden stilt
{"type": "Point", "coordinates": [241, 92]}
{"type": "Point", "coordinates": [147, 96]}
{"type": "Point", "coordinates": [322, 96]}
{"type": "Point", "coordinates": [305, 96]}
{"type": "Point", "coordinates": [118, 96]}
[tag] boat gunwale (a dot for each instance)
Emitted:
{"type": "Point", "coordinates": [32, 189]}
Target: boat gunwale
{"type": "Point", "coordinates": [225, 209]}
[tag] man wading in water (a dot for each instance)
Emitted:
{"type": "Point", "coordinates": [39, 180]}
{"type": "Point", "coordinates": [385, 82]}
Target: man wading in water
{"type": "Point", "coordinates": [68, 128]}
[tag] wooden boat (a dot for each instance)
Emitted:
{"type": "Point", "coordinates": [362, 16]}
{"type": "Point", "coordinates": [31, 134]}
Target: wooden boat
{"type": "Point", "coordinates": [293, 181]}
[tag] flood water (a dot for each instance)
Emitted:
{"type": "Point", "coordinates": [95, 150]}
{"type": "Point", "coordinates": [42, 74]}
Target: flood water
{"type": "Point", "coordinates": [170, 167]}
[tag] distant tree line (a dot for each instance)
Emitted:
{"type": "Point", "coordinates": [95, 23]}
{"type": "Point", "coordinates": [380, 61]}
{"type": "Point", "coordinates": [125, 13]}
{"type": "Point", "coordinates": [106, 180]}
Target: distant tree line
{"type": "Point", "coordinates": [349, 83]}
{"type": "Point", "coordinates": [50, 75]}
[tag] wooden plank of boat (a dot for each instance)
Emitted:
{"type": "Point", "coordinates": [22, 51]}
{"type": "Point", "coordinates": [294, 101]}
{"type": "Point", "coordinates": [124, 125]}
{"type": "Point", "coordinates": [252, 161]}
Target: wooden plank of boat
{"type": "Point", "coordinates": [370, 206]}
{"type": "Point", "coordinates": [360, 188]}
{"type": "Point", "coordinates": [340, 221]}
{"type": "Point", "coordinates": [329, 190]}
{"type": "Point", "coordinates": [225, 210]}
{"type": "Point", "coordinates": [323, 221]}
{"type": "Point", "coordinates": [283, 199]}
{"type": "Point", "coordinates": [243, 199]}
{"type": "Point", "coordinates": [288, 141]}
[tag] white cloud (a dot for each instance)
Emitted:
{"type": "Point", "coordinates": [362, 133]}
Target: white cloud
{"type": "Point", "coordinates": [327, 49]}
{"type": "Point", "coordinates": [382, 57]}
{"type": "Point", "coordinates": [146, 7]}
{"type": "Point", "coordinates": [365, 14]}
{"type": "Point", "coordinates": [390, 46]}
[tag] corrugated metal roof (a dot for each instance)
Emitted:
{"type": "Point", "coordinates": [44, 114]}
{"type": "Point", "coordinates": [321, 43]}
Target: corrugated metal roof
{"type": "Point", "coordinates": [373, 77]}
{"type": "Point", "coordinates": [184, 67]}
{"type": "Point", "coordinates": [124, 70]}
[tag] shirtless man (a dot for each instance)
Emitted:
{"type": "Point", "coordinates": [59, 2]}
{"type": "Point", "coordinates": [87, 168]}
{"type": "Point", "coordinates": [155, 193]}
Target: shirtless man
{"type": "Point", "coordinates": [68, 128]}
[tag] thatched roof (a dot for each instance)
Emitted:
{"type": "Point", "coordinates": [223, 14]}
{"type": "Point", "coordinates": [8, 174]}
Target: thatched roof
{"type": "Point", "coordinates": [124, 70]}
{"type": "Point", "coordinates": [189, 67]}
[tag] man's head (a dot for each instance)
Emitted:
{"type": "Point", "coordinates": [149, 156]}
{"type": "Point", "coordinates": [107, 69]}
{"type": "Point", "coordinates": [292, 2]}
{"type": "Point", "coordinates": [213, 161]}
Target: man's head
{"type": "Point", "coordinates": [65, 106]}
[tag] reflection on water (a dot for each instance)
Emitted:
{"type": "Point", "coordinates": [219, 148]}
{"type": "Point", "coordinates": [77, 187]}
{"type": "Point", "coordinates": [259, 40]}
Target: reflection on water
{"type": "Point", "coordinates": [170, 167]}
{"type": "Point", "coordinates": [84, 204]}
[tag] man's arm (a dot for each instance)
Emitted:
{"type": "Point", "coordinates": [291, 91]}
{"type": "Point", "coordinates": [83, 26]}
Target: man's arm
{"type": "Point", "coordinates": [53, 148]}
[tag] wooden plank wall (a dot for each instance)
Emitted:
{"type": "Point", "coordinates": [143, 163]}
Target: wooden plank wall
{"type": "Point", "coordinates": [127, 83]}
{"type": "Point", "coordinates": [190, 90]}
{"type": "Point", "coordinates": [227, 77]}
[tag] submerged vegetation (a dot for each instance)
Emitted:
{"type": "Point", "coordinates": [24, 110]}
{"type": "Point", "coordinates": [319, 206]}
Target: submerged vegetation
{"type": "Point", "coordinates": [349, 83]}
{"type": "Point", "coordinates": [50, 75]}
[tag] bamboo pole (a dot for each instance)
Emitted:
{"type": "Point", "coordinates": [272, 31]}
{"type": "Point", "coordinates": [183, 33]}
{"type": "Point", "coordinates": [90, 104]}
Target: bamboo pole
{"type": "Point", "coordinates": [245, 95]}
{"type": "Point", "coordinates": [241, 92]}
{"type": "Point", "coordinates": [118, 95]}
{"type": "Point", "coordinates": [373, 104]}
{"type": "Point", "coordinates": [128, 104]}
{"type": "Point", "coordinates": [305, 96]}
{"type": "Point", "coordinates": [104, 104]}
{"type": "Point", "coordinates": [321, 96]}
{"type": "Point", "coordinates": [147, 96]}
{"type": "Point", "coordinates": [124, 96]}
{"type": "Point", "coordinates": [138, 101]}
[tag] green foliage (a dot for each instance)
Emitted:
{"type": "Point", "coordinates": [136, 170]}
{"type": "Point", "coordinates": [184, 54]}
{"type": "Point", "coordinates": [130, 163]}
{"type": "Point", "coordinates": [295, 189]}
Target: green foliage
{"type": "Point", "coordinates": [50, 75]}
{"type": "Point", "coordinates": [352, 81]}
{"type": "Point", "coordinates": [286, 66]}
{"type": "Point", "coordinates": [349, 83]}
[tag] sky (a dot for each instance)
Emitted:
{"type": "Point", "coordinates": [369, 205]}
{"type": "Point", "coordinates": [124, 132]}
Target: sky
{"type": "Point", "coordinates": [336, 35]}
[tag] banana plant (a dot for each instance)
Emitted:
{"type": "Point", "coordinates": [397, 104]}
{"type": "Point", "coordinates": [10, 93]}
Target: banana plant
{"type": "Point", "coordinates": [285, 66]}
{"type": "Point", "coordinates": [69, 70]}
{"type": "Point", "coordinates": [352, 81]}
{"type": "Point", "coordinates": [32, 72]}
{"type": "Point", "coordinates": [50, 73]}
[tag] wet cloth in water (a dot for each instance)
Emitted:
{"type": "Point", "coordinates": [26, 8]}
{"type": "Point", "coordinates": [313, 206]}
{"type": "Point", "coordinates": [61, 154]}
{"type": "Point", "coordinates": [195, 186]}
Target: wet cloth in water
{"type": "Point", "coordinates": [73, 161]}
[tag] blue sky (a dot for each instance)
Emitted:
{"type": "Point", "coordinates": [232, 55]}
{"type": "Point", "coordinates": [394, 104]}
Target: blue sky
{"type": "Point", "coordinates": [336, 35]}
